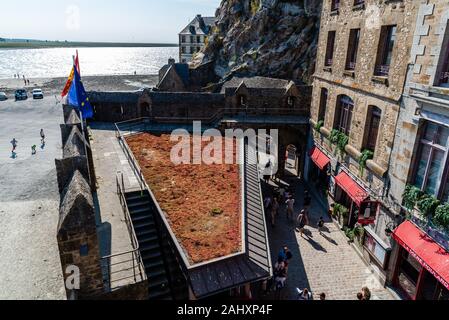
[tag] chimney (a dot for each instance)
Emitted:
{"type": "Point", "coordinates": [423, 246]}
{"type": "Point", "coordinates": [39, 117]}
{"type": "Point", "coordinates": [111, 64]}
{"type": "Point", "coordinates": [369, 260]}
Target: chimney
{"type": "Point", "coordinates": [171, 61]}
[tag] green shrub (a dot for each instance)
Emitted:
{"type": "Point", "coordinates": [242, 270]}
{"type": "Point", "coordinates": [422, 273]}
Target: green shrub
{"type": "Point", "coordinates": [342, 142]}
{"type": "Point", "coordinates": [319, 125]}
{"type": "Point", "coordinates": [411, 196]}
{"type": "Point", "coordinates": [441, 217]}
{"type": "Point", "coordinates": [366, 155]}
{"type": "Point", "coordinates": [427, 204]}
{"type": "Point", "coordinates": [333, 137]}
{"type": "Point", "coordinates": [341, 210]}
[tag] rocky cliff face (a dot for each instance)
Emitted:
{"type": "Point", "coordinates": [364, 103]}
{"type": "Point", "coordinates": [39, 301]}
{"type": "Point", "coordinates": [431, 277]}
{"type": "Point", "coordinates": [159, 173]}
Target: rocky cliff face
{"type": "Point", "coordinates": [275, 38]}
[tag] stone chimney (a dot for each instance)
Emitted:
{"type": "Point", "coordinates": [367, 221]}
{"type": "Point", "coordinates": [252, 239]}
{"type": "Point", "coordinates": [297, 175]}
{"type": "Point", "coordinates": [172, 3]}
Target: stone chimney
{"type": "Point", "coordinates": [171, 61]}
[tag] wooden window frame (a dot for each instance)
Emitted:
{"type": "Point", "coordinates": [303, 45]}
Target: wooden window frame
{"type": "Point", "coordinates": [330, 48]}
{"type": "Point", "coordinates": [373, 112]}
{"type": "Point", "coordinates": [353, 48]}
{"type": "Point", "coordinates": [387, 42]}
{"type": "Point", "coordinates": [345, 110]}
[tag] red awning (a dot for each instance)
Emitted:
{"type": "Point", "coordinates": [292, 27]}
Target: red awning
{"type": "Point", "coordinates": [356, 192]}
{"type": "Point", "coordinates": [319, 158]}
{"type": "Point", "coordinates": [425, 250]}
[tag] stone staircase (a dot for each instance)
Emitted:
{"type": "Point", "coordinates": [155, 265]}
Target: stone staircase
{"type": "Point", "coordinates": [151, 250]}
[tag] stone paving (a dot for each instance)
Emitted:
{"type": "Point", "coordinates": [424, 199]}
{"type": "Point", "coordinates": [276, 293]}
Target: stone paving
{"type": "Point", "coordinates": [322, 263]}
{"type": "Point", "coordinates": [109, 159]}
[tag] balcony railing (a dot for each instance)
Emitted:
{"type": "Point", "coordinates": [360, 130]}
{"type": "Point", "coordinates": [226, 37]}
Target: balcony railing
{"type": "Point", "coordinates": [382, 70]}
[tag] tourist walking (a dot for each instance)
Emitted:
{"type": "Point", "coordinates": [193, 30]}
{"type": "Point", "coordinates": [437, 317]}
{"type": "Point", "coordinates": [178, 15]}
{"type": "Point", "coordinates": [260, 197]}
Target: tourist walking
{"type": "Point", "coordinates": [280, 277]}
{"type": "Point", "coordinates": [322, 296]}
{"type": "Point", "coordinates": [301, 222]}
{"type": "Point", "coordinates": [28, 81]}
{"type": "Point", "coordinates": [33, 150]}
{"type": "Point", "coordinates": [320, 225]}
{"type": "Point", "coordinates": [274, 211]}
{"type": "Point", "coordinates": [290, 207]}
{"type": "Point", "coordinates": [42, 134]}
{"type": "Point", "coordinates": [14, 143]}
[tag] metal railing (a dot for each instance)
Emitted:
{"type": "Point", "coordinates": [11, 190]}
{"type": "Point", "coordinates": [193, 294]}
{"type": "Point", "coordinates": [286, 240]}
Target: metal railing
{"type": "Point", "coordinates": [127, 265]}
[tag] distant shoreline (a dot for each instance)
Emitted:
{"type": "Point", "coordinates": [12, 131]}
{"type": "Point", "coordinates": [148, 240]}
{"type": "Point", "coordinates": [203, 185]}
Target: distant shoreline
{"type": "Point", "coordinates": [61, 44]}
{"type": "Point", "coordinates": [54, 86]}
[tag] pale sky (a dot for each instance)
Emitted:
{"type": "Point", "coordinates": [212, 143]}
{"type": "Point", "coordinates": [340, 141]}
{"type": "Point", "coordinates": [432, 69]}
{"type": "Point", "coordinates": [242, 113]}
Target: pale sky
{"type": "Point", "coordinates": [101, 20]}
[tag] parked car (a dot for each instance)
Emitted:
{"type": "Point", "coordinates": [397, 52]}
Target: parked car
{"type": "Point", "coordinates": [38, 94]}
{"type": "Point", "coordinates": [3, 96]}
{"type": "Point", "coordinates": [21, 94]}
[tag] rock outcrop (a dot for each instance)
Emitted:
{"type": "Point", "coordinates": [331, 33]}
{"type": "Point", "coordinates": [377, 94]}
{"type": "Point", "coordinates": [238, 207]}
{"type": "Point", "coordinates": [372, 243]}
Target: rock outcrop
{"type": "Point", "coordinates": [274, 38]}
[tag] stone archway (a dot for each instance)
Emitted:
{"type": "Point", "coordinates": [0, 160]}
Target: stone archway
{"type": "Point", "coordinates": [145, 110]}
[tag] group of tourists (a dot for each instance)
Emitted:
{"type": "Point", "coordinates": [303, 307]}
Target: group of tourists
{"type": "Point", "coordinates": [25, 80]}
{"type": "Point", "coordinates": [286, 197]}
{"type": "Point", "coordinates": [15, 142]}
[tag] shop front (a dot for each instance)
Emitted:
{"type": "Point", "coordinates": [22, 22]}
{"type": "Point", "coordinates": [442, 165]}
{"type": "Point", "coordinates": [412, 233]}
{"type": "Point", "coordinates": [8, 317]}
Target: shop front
{"type": "Point", "coordinates": [355, 199]}
{"type": "Point", "coordinates": [319, 174]}
{"type": "Point", "coordinates": [422, 266]}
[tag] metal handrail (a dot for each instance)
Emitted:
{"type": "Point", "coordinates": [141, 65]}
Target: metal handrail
{"type": "Point", "coordinates": [136, 258]}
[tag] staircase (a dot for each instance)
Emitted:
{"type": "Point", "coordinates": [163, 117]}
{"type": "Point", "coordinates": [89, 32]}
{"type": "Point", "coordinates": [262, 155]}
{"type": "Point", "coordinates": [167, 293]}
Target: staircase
{"type": "Point", "coordinates": [142, 217]}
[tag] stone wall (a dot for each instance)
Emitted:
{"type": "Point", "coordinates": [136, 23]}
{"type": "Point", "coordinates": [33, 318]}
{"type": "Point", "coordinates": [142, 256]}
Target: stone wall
{"type": "Point", "coordinates": [77, 230]}
{"type": "Point", "coordinates": [424, 98]}
{"type": "Point", "coordinates": [361, 85]}
{"type": "Point", "coordinates": [114, 106]}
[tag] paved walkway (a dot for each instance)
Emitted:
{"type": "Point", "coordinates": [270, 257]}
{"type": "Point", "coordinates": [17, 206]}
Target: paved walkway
{"type": "Point", "coordinates": [113, 231]}
{"type": "Point", "coordinates": [322, 263]}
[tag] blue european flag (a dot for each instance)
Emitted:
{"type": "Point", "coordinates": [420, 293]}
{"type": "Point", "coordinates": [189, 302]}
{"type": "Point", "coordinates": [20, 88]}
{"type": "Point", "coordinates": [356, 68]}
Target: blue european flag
{"type": "Point", "coordinates": [78, 98]}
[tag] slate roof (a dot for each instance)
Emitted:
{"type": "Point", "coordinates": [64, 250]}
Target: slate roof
{"type": "Point", "coordinates": [199, 29]}
{"type": "Point", "coordinates": [182, 69]}
{"type": "Point", "coordinates": [256, 83]}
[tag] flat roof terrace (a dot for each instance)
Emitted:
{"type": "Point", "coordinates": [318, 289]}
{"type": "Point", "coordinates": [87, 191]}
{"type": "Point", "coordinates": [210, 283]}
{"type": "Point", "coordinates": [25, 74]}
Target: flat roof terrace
{"type": "Point", "coordinates": [202, 202]}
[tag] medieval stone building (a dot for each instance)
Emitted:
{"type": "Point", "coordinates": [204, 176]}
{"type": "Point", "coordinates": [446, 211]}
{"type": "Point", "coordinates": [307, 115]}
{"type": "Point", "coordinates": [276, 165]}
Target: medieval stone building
{"type": "Point", "coordinates": [420, 159]}
{"type": "Point", "coordinates": [361, 68]}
